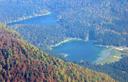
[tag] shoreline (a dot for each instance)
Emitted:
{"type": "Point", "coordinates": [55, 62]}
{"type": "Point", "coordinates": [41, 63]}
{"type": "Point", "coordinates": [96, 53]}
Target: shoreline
{"type": "Point", "coordinates": [121, 48]}
{"type": "Point", "coordinates": [45, 13]}
{"type": "Point", "coordinates": [64, 41]}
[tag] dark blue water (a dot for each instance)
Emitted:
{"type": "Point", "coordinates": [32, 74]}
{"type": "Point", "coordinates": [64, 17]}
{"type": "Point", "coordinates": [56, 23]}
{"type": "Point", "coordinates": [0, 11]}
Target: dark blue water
{"type": "Point", "coordinates": [78, 50]}
{"type": "Point", "coordinates": [48, 19]}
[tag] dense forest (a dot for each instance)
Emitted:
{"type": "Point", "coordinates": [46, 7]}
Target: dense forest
{"type": "Point", "coordinates": [103, 21]}
{"type": "Point", "coordinates": [21, 61]}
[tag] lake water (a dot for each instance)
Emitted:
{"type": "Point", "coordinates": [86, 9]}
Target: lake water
{"type": "Point", "coordinates": [73, 50]}
{"type": "Point", "coordinates": [78, 50]}
{"type": "Point", "coordinates": [47, 19]}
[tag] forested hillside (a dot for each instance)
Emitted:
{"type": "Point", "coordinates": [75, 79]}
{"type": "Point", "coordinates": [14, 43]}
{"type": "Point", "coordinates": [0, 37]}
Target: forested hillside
{"type": "Point", "coordinates": [20, 61]}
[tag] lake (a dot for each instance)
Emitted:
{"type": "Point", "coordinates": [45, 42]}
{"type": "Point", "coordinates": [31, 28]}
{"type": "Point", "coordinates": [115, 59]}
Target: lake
{"type": "Point", "coordinates": [73, 50]}
{"type": "Point", "coordinates": [78, 50]}
{"type": "Point", "coordinates": [46, 19]}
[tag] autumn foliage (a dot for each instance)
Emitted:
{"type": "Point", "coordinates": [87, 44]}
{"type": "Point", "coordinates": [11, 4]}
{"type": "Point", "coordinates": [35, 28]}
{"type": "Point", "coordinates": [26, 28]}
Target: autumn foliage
{"type": "Point", "coordinates": [22, 62]}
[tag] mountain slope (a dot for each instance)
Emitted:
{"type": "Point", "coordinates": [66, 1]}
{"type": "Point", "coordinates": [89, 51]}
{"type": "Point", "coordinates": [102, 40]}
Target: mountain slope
{"type": "Point", "coordinates": [21, 61]}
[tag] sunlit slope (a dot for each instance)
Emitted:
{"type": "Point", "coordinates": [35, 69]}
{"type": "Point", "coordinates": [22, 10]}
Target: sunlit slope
{"type": "Point", "coordinates": [21, 61]}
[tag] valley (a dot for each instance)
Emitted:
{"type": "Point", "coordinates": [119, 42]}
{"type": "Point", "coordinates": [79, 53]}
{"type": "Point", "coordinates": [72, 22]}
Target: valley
{"type": "Point", "coordinates": [89, 33]}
